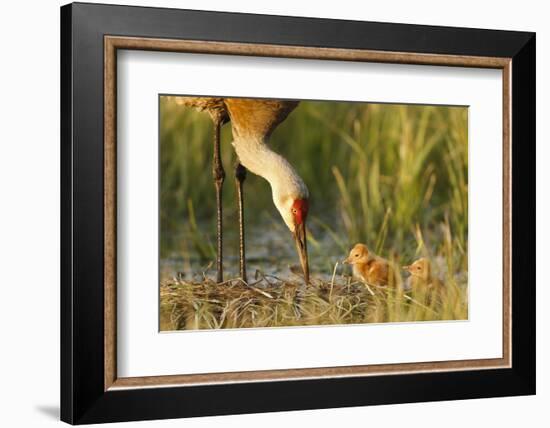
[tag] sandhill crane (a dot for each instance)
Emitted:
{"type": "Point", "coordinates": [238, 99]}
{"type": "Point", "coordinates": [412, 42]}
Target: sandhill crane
{"type": "Point", "coordinates": [422, 275]}
{"type": "Point", "coordinates": [252, 123]}
{"type": "Point", "coordinates": [369, 267]}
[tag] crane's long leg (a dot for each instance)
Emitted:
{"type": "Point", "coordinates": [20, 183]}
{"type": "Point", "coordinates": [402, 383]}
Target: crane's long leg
{"type": "Point", "coordinates": [219, 176]}
{"type": "Point", "coordinates": [240, 176]}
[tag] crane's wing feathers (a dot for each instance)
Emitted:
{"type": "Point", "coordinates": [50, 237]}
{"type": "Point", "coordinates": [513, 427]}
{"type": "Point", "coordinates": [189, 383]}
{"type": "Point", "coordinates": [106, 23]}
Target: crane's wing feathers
{"type": "Point", "coordinates": [249, 117]}
{"type": "Point", "coordinates": [212, 105]}
{"type": "Point", "coordinates": [256, 117]}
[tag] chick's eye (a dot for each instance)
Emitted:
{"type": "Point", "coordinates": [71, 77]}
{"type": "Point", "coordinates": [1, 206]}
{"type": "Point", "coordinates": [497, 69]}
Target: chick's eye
{"type": "Point", "coordinates": [357, 255]}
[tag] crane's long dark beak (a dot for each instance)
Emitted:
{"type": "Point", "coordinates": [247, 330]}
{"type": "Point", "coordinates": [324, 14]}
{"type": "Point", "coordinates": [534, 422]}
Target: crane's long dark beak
{"type": "Point", "coordinates": [301, 246]}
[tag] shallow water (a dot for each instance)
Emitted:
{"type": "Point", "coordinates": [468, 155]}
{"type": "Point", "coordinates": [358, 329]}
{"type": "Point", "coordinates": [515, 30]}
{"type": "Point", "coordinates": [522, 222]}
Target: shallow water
{"type": "Point", "coordinates": [269, 248]}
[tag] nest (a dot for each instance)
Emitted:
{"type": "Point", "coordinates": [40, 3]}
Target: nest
{"type": "Point", "coordinates": [270, 301]}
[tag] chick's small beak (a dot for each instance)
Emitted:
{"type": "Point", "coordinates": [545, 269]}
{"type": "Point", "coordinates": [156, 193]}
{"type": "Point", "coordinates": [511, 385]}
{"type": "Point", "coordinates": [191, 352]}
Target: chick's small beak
{"type": "Point", "coordinates": [301, 246]}
{"type": "Point", "coordinates": [406, 267]}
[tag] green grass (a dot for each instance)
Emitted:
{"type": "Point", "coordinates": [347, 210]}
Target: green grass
{"type": "Point", "coordinates": [392, 176]}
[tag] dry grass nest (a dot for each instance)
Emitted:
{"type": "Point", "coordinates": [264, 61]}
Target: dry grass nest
{"type": "Point", "coordinates": [270, 301]}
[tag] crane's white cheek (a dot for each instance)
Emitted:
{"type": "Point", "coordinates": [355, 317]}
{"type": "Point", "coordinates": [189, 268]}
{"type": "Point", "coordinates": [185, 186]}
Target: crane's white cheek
{"type": "Point", "coordinates": [289, 222]}
{"type": "Point", "coordinates": [286, 218]}
{"type": "Point", "coordinates": [281, 205]}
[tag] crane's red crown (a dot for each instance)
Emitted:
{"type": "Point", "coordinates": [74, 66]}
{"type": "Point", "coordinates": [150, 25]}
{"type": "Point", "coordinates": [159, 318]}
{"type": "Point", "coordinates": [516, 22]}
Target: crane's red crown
{"type": "Point", "coordinates": [299, 210]}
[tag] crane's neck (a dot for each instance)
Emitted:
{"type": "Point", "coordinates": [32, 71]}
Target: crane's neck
{"type": "Point", "coordinates": [256, 156]}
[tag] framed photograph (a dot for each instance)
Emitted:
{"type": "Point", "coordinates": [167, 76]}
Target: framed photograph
{"type": "Point", "coordinates": [266, 213]}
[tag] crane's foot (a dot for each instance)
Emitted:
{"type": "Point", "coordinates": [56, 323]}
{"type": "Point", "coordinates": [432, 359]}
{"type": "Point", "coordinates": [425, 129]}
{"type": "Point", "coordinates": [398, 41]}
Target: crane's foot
{"type": "Point", "coordinates": [219, 176]}
{"type": "Point", "coordinates": [240, 176]}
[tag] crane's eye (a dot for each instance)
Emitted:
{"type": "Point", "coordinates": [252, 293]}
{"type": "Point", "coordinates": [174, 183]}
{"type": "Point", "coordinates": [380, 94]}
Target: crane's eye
{"type": "Point", "coordinates": [294, 210]}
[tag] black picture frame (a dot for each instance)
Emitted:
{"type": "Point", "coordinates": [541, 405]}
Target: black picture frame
{"type": "Point", "coordinates": [83, 398]}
